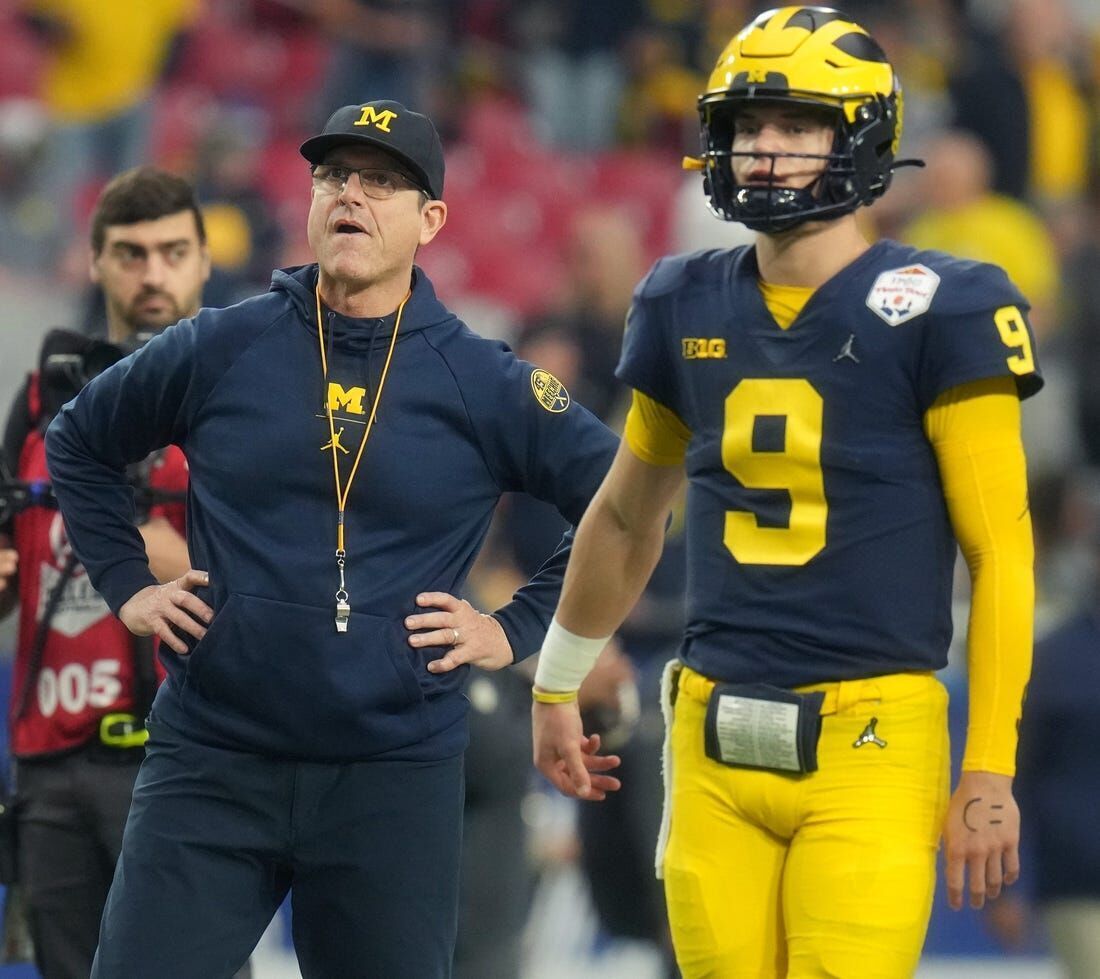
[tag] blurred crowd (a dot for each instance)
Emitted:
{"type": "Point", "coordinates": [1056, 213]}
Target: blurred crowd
{"type": "Point", "coordinates": [564, 123]}
{"type": "Point", "coordinates": [549, 108]}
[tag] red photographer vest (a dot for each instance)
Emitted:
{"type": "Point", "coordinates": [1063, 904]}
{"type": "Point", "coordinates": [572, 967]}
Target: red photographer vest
{"type": "Point", "coordinates": [87, 665]}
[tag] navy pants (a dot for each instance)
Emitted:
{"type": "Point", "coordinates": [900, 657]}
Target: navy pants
{"type": "Point", "coordinates": [368, 850]}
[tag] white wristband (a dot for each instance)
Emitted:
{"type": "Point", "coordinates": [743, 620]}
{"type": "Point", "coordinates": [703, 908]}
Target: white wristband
{"type": "Point", "coordinates": [566, 659]}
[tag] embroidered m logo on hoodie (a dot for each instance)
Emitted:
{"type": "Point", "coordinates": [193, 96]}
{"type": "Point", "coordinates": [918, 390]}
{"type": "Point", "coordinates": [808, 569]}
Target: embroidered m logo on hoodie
{"type": "Point", "coordinates": [349, 400]}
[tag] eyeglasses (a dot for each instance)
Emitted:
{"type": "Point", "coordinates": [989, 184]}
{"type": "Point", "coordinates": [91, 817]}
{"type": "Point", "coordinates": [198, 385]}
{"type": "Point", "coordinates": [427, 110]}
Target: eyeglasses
{"type": "Point", "coordinates": [379, 184]}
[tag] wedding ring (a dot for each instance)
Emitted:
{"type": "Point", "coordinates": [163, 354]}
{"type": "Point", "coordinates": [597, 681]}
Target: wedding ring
{"type": "Point", "coordinates": [454, 636]}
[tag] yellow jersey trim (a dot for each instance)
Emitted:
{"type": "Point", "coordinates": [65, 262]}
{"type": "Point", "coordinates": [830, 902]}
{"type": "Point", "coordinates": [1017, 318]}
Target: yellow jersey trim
{"type": "Point", "coordinates": [654, 433]}
{"type": "Point", "coordinates": [784, 302]}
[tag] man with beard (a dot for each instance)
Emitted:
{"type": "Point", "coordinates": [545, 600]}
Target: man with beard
{"type": "Point", "coordinates": [81, 684]}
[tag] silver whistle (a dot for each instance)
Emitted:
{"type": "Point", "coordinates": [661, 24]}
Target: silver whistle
{"type": "Point", "coordinates": [343, 615]}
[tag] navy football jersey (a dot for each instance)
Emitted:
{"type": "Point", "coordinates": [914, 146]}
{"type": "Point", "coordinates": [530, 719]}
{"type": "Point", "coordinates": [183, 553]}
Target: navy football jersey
{"type": "Point", "coordinates": [819, 542]}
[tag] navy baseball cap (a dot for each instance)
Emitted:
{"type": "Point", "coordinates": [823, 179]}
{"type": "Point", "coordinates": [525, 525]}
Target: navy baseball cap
{"type": "Point", "coordinates": [407, 135]}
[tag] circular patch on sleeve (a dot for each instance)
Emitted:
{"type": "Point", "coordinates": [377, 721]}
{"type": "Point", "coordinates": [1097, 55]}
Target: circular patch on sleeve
{"type": "Point", "coordinates": [549, 391]}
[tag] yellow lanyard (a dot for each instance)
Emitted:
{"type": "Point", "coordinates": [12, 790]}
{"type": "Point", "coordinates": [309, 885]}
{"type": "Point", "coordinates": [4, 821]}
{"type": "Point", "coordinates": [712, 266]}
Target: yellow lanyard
{"type": "Point", "coordinates": [343, 608]}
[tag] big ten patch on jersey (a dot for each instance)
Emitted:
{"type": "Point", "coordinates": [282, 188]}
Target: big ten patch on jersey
{"type": "Point", "coordinates": [703, 348]}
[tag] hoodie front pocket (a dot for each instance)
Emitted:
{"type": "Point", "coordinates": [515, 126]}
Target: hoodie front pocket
{"type": "Point", "coordinates": [280, 663]}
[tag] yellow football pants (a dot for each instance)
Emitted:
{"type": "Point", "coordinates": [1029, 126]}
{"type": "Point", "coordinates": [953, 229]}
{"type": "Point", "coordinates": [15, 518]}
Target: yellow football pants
{"type": "Point", "coordinates": [798, 876]}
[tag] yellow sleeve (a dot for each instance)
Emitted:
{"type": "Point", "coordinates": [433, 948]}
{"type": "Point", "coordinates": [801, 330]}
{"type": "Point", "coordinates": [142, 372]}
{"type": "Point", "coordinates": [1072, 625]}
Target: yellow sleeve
{"type": "Point", "coordinates": [975, 432]}
{"type": "Point", "coordinates": [654, 433]}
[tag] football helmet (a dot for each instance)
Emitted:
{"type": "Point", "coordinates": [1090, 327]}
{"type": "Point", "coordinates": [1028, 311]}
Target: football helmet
{"type": "Point", "coordinates": [812, 56]}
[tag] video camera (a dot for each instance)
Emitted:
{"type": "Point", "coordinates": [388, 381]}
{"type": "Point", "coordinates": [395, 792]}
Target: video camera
{"type": "Point", "coordinates": [17, 495]}
{"type": "Point", "coordinates": [68, 362]}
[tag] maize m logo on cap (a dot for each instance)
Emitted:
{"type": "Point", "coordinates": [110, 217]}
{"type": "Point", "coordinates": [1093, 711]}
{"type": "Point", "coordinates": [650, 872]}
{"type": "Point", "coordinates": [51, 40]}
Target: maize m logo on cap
{"type": "Point", "coordinates": [372, 117]}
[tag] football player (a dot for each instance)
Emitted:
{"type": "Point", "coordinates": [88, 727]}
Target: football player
{"type": "Point", "coordinates": [846, 414]}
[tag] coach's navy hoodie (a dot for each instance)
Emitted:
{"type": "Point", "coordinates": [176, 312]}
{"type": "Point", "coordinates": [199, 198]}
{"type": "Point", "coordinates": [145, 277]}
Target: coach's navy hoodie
{"type": "Point", "coordinates": [461, 420]}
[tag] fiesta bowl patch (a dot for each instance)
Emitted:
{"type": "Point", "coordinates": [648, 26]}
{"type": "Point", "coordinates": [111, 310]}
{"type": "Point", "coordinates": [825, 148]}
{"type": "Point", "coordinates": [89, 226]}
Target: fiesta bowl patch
{"type": "Point", "coordinates": [900, 294]}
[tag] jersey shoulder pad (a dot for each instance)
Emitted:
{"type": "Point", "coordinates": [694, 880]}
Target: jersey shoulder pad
{"type": "Point", "coordinates": [968, 286]}
{"type": "Point", "coordinates": [674, 271]}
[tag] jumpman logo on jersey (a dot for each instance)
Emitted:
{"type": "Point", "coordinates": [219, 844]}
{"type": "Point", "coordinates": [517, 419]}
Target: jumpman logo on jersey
{"type": "Point", "coordinates": [868, 736]}
{"type": "Point", "coordinates": [335, 440]}
{"type": "Point", "coordinates": [846, 350]}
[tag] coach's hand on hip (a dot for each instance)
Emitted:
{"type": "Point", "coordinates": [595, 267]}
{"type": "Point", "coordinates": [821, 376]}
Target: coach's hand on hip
{"type": "Point", "coordinates": [473, 637]}
{"type": "Point", "coordinates": [168, 609]}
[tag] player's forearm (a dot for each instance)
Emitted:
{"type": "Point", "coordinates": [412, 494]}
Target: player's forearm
{"type": "Point", "coordinates": [981, 461]}
{"type": "Point", "coordinates": [617, 545]}
{"type": "Point", "coordinates": [608, 570]}
{"type": "Point", "coordinates": [610, 565]}
{"type": "Point", "coordinates": [999, 663]}
{"type": "Point", "coordinates": [1000, 555]}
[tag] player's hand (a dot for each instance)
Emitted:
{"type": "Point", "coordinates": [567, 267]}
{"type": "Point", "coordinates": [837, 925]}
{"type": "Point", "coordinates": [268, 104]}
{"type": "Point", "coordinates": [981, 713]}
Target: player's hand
{"type": "Point", "coordinates": [168, 609]}
{"type": "Point", "coordinates": [981, 838]}
{"type": "Point", "coordinates": [569, 759]}
{"type": "Point", "coordinates": [472, 636]}
{"type": "Point", "coordinates": [9, 564]}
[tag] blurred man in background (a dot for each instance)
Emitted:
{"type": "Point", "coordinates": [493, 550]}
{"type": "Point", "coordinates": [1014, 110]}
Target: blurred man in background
{"type": "Point", "coordinates": [82, 684]}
